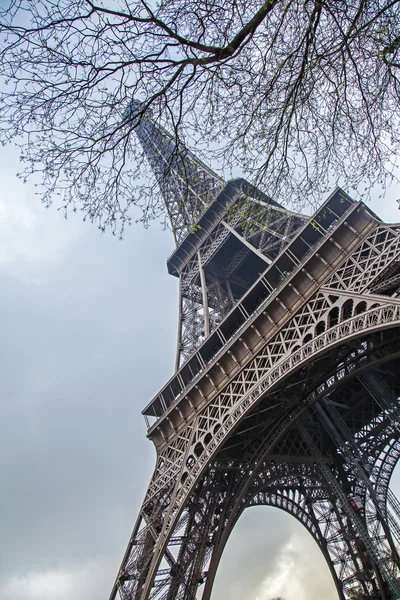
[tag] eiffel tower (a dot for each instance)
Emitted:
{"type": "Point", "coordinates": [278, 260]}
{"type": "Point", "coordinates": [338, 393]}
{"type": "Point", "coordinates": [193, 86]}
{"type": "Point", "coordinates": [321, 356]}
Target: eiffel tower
{"type": "Point", "coordinates": [287, 383]}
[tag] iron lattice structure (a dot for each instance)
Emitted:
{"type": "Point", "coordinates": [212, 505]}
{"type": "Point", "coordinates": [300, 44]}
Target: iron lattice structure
{"type": "Point", "coordinates": [287, 386]}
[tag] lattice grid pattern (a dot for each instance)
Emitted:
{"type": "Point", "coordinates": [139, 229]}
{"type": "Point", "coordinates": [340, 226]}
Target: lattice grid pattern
{"type": "Point", "coordinates": [260, 424]}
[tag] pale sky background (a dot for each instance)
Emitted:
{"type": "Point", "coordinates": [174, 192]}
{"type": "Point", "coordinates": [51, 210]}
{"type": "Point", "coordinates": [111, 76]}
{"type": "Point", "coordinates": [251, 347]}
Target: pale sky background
{"type": "Point", "coordinates": [88, 337]}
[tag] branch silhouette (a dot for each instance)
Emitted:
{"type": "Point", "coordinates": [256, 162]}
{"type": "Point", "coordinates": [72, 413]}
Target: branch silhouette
{"type": "Point", "coordinates": [293, 95]}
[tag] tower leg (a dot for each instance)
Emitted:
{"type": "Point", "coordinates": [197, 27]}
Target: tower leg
{"type": "Point", "coordinates": [366, 548]}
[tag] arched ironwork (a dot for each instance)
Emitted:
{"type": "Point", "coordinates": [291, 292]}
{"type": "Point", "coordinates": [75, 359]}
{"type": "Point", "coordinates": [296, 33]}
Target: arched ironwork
{"type": "Point", "coordinates": [277, 324]}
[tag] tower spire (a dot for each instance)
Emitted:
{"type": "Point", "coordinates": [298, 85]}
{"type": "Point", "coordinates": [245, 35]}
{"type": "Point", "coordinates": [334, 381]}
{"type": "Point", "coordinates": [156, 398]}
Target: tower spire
{"type": "Point", "coordinates": [187, 185]}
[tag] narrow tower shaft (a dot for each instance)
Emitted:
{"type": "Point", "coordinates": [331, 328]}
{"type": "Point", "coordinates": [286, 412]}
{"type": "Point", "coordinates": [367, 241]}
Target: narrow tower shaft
{"type": "Point", "coordinates": [187, 185]}
{"type": "Point", "coordinates": [226, 233]}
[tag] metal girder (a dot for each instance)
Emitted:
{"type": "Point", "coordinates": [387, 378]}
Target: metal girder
{"type": "Point", "coordinates": [275, 402]}
{"type": "Point", "coordinates": [187, 186]}
{"type": "Point", "coordinates": [181, 450]}
{"type": "Point", "coordinates": [280, 416]}
{"type": "Point", "coordinates": [201, 310]}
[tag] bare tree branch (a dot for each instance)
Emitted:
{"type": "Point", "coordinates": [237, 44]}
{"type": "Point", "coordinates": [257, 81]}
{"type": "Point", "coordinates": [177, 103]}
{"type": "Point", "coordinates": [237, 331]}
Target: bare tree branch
{"type": "Point", "coordinates": [294, 95]}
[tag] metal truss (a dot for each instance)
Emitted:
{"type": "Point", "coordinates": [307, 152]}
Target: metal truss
{"type": "Point", "coordinates": [188, 189]}
{"type": "Point", "coordinates": [281, 418]}
{"type": "Point", "coordinates": [356, 528]}
{"type": "Point", "coordinates": [210, 285]}
{"type": "Point", "coordinates": [188, 452]}
{"type": "Point", "coordinates": [296, 486]}
{"type": "Point", "coordinates": [312, 503]}
{"type": "Point", "coordinates": [357, 464]}
{"type": "Point", "coordinates": [187, 185]}
{"type": "Point", "coordinates": [369, 267]}
{"type": "Point", "coordinates": [286, 390]}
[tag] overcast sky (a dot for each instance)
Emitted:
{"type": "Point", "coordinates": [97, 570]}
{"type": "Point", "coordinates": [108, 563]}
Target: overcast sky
{"type": "Point", "coordinates": [88, 332]}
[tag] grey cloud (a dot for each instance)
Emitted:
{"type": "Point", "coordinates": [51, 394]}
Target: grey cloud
{"type": "Point", "coordinates": [88, 333]}
{"type": "Point", "coordinates": [83, 350]}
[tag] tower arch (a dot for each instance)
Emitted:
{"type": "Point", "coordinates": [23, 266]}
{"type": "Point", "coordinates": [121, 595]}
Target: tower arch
{"type": "Point", "coordinates": [279, 330]}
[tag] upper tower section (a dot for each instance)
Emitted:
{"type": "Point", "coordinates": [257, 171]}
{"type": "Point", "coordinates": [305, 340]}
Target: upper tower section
{"type": "Point", "coordinates": [187, 185]}
{"type": "Point", "coordinates": [226, 233]}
